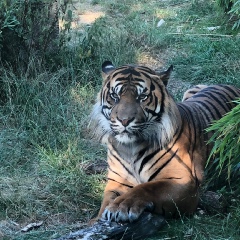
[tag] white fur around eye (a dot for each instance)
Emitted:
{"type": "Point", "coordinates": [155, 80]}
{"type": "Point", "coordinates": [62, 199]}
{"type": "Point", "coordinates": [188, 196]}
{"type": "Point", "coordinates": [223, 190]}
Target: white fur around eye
{"type": "Point", "coordinates": [109, 66]}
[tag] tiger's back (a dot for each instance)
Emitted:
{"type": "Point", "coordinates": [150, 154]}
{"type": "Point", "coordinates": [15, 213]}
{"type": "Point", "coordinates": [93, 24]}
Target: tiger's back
{"type": "Point", "coordinates": [199, 110]}
{"type": "Point", "coordinates": [156, 147]}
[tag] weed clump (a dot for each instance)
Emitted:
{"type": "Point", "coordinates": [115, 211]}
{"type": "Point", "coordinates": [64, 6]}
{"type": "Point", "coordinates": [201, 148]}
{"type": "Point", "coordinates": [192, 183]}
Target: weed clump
{"type": "Point", "coordinates": [226, 141]}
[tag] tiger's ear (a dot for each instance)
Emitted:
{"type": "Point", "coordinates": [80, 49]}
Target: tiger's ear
{"type": "Point", "coordinates": [107, 68]}
{"type": "Point", "coordinates": [164, 76]}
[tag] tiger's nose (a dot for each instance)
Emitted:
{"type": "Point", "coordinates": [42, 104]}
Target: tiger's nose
{"type": "Point", "coordinates": [125, 122]}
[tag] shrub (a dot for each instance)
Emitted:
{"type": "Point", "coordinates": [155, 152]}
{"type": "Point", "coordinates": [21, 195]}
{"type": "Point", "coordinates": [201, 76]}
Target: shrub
{"type": "Point", "coordinates": [232, 7]}
{"type": "Point", "coordinates": [226, 139]}
{"type": "Point", "coordinates": [236, 11]}
{"type": "Point", "coordinates": [28, 28]}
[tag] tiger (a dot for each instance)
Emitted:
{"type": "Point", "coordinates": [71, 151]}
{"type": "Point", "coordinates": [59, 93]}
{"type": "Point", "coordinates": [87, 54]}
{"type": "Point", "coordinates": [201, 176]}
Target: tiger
{"type": "Point", "coordinates": [156, 147]}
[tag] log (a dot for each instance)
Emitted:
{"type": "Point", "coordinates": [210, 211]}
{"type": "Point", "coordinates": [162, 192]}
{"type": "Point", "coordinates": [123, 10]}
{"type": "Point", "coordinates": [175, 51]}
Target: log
{"type": "Point", "coordinates": [145, 226]}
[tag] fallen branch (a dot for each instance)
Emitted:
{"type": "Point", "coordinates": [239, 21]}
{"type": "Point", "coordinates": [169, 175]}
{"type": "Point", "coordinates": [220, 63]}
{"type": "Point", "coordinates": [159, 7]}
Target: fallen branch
{"type": "Point", "coordinates": [31, 226]}
{"type": "Point", "coordinates": [202, 34]}
{"type": "Point", "coordinates": [147, 225]}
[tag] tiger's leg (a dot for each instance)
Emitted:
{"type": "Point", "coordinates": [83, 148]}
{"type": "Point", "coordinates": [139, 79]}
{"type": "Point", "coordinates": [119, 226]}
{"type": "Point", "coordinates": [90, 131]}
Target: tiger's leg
{"type": "Point", "coordinates": [111, 192]}
{"type": "Point", "coordinates": [165, 197]}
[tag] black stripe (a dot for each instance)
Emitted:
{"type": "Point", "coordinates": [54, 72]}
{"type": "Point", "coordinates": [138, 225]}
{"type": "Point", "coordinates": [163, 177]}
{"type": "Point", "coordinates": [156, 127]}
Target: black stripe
{"type": "Point", "coordinates": [210, 95]}
{"type": "Point", "coordinates": [137, 84]}
{"type": "Point", "coordinates": [193, 92]}
{"type": "Point", "coordinates": [122, 79]}
{"type": "Point", "coordinates": [199, 95]}
{"type": "Point", "coordinates": [126, 185]}
{"type": "Point", "coordinates": [231, 98]}
{"type": "Point", "coordinates": [206, 106]}
{"type": "Point", "coordinates": [146, 69]}
{"type": "Point", "coordinates": [152, 112]}
{"type": "Point", "coordinates": [234, 91]}
{"type": "Point", "coordinates": [197, 122]}
{"type": "Point", "coordinates": [105, 107]}
{"type": "Point", "coordinates": [169, 149]}
{"type": "Point", "coordinates": [138, 79]}
{"type": "Point", "coordinates": [150, 98]}
{"type": "Point", "coordinates": [113, 171]}
{"type": "Point", "coordinates": [156, 104]}
{"type": "Point", "coordinates": [140, 154]}
{"type": "Point", "coordinates": [144, 90]}
{"type": "Point", "coordinates": [225, 95]}
{"type": "Point", "coordinates": [172, 178]}
{"type": "Point", "coordinates": [192, 126]}
{"type": "Point", "coordinates": [122, 70]}
{"type": "Point", "coordinates": [109, 168]}
{"type": "Point", "coordinates": [118, 84]}
{"type": "Point", "coordinates": [184, 164]}
{"type": "Point", "coordinates": [219, 115]}
{"type": "Point", "coordinates": [136, 72]}
{"type": "Point", "coordinates": [184, 111]}
{"type": "Point", "coordinates": [162, 107]}
{"type": "Point", "coordinates": [146, 75]}
{"type": "Point", "coordinates": [164, 165]}
{"type": "Point", "coordinates": [161, 156]}
{"type": "Point", "coordinates": [146, 159]}
{"type": "Point", "coordinates": [152, 86]}
{"type": "Point", "coordinates": [220, 102]}
{"type": "Point", "coordinates": [204, 113]}
{"type": "Point", "coordinates": [121, 163]}
{"type": "Point", "coordinates": [117, 193]}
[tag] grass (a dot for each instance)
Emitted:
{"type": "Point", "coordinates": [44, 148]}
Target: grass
{"type": "Point", "coordinates": [45, 146]}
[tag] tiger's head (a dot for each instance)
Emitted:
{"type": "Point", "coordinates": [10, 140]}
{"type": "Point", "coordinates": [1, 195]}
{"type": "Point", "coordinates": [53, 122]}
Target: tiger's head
{"type": "Point", "coordinates": [134, 105]}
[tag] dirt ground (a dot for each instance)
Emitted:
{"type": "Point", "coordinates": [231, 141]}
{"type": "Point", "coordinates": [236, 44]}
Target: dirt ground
{"type": "Point", "coordinates": [85, 13]}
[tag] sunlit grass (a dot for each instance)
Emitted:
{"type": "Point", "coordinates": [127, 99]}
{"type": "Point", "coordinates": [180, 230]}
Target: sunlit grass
{"type": "Point", "coordinates": [165, 13]}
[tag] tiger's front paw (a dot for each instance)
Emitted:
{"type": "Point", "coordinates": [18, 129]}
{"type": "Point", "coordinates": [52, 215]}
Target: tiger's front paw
{"type": "Point", "coordinates": [124, 209]}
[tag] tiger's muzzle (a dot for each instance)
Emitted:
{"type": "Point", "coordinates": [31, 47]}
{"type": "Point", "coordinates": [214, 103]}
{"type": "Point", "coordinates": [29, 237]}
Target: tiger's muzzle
{"type": "Point", "coordinates": [125, 118]}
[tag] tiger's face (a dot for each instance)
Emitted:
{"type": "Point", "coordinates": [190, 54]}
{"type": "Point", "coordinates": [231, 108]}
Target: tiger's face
{"type": "Point", "coordinates": [134, 104]}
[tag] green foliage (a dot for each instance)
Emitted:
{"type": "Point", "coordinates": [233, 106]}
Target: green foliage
{"type": "Point", "coordinates": [236, 12]}
{"type": "Point", "coordinates": [226, 4]}
{"type": "Point", "coordinates": [231, 7]}
{"type": "Point", "coordinates": [28, 28]}
{"type": "Point", "coordinates": [226, 139]}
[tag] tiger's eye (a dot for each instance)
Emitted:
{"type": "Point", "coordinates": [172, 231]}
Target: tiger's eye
{"type": "Point", "coordinates": [142, 97]}
{"type": "Point", "coordinates": [114, 96]}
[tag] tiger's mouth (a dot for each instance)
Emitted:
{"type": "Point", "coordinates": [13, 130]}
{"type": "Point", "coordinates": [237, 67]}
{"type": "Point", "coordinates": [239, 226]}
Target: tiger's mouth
{"type": "Point", "coordinates": [126, 137]}
{"type": "Point", "coordinates": [125, 132]}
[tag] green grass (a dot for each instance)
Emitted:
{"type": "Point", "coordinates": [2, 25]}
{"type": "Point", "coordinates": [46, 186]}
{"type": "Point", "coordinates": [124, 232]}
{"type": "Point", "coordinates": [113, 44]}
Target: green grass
{"type": "Point", "coordinates": [45, 145]}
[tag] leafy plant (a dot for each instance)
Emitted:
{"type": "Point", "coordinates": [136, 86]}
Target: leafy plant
{"type": "Point", "coordinates": [29, 28]}
{"type": "Point", "coordinates": [225, 4]}
{"type": "Point", "coordinates": [236, 12]}
{"type": "Point", "coordinates": [232, 7]}
{"type": "Point", "coordinates": [226, 139]}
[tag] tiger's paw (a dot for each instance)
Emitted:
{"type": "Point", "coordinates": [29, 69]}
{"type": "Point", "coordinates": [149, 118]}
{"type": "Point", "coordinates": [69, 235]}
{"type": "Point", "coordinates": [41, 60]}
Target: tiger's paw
{"type": "Point", "coordinates": [126, 209]}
